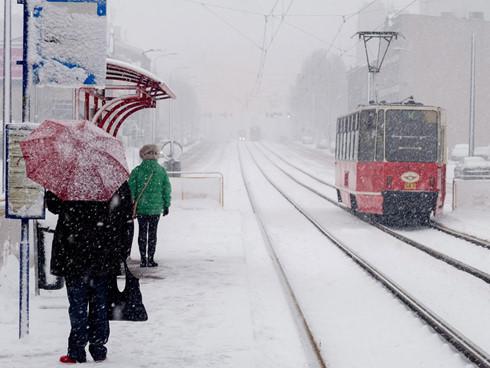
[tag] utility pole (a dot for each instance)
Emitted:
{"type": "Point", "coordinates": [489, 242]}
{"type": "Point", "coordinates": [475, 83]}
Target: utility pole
{"type": "Point", "coordinates": [24, 234]}
{"type": "Point", "coordinates": [471, 145]}
{"type": "Point", "coordinates": [7, 83]}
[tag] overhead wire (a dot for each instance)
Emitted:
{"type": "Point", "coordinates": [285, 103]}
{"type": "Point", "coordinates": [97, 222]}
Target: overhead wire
{"type": "Point", "coordinates": [263, 60]}
{"type": "Point", "coordinates": [405, 8]}
{"type": "Point", "coordinates": [283, 17]}
{"type": "Point", "coordinates": [237, 30]}
{"type": "Point", "coordinates": [398, 12]}
{"type": "Point", "coordinates": [218, 6]}
{"type": "Point", "coordinates": [265, 46]}
{"type": "Point", "coordinates": [331, 44]}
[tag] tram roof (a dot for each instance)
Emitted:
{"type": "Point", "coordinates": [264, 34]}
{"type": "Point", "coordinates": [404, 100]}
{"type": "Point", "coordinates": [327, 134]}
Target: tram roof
{"type": "Point", "coordinates": [396, 105]}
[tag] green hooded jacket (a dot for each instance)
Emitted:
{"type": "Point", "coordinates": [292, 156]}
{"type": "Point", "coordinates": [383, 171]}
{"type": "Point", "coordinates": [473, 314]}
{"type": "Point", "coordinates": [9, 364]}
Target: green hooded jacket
{"type": "Point", "coordinates": [156, 196]}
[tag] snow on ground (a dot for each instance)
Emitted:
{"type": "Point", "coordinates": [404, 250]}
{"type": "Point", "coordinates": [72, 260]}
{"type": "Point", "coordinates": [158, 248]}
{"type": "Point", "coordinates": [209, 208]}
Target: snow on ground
{"type": "Point", "coordinates": [471, 221]}
{"type": "Point", "coordinates": [214, 301]}
{"type": "Point", "coordinates": [357, 322]}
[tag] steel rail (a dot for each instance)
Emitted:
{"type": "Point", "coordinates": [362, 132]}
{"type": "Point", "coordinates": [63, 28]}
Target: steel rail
{"type": "Point", "coordinates": [462, 344]}
{"type": "Point", "coordinates": [433, 224]}
{"type": "Point", "coordinates": [298, 168]}
{"type": "Point", "coordinates": [304, 327]}
{"type": "Point", "coordinates": [457, 234]}
{"type": "Point", "coordinates": [438, 255]}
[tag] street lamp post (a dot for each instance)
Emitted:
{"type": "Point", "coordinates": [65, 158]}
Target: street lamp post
{"type": "Point", "coordinates": [162, 54]}
{"type": "Point", "coordinates": [7, 95]}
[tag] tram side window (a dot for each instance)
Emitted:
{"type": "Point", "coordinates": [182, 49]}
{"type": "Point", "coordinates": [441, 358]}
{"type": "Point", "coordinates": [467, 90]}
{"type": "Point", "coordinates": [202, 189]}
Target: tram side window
{"type": "Point", "coordinates": [367, 135]}
{"type": "Point", "coordinates": [356, 136]}
{"type": "Point", "coordinates": [342, 136]}
{"type": "Point", "coordinates": [351, 137]}
{"type": "Point", "coordinates": [347, 138]}
{"type": "Point", "coordinates": [339, 133]}
{"type": "Point", "coordinates": [380, 136]}
{"type": "Point", "coordinates": [343, 139]}
{"type": "Point", "coordinates": [340, 139]}
{"type": "Point", "coordinates": [337, 140]}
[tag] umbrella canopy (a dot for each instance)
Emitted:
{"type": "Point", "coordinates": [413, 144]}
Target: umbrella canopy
{"type": "Point", "coordinates": [75, 160]}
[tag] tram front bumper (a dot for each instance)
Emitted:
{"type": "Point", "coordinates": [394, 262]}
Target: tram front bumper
{"type": "Point", "coordinates": [408, 203]}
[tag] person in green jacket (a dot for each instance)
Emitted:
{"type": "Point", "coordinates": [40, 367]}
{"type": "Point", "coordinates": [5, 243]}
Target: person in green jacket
{"type": "Point", "coordinates": [150, 189]}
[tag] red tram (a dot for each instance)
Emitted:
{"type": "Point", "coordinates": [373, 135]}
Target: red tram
{"type": "Point", "coordinates": [391, 160]}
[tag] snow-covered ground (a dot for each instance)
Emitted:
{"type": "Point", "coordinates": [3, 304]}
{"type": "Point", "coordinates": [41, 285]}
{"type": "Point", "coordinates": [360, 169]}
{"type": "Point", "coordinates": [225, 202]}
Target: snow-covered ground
{"type": "Point", "coordinates": [317, 162]}
{"type": "Point", "coordinates": [216, 301]}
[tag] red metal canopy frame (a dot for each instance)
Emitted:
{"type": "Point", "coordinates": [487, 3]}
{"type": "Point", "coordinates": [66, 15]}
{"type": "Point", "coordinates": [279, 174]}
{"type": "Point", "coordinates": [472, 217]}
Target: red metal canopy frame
{"type": "Point", "coordinates": [129, 89]}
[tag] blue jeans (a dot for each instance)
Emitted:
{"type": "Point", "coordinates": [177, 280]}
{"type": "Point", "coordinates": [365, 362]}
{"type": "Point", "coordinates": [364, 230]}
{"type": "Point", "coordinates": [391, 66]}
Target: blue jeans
{"type": "Point", "coordinates": [88, 316]}
{"type": "Point", "coordinates": [148, 226]}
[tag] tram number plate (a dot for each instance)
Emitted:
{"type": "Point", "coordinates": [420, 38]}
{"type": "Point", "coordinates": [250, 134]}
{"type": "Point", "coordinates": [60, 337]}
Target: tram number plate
{"type": "Point", "coordinates": [410, 186]}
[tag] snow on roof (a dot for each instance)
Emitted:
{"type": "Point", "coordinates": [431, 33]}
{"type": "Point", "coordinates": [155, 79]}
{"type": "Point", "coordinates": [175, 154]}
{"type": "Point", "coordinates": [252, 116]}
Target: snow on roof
{"type": "Point", "coordinates": [118, 64]}
{"type": "Point", "coordinates": [134, 68]}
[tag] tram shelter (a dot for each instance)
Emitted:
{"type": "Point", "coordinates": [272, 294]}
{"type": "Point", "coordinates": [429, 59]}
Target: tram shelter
{"type": "Point", "coordinates": [128, 90]}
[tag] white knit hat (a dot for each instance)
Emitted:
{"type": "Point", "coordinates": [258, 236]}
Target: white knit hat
{"type": "Point", "coordinates": [149, 152]}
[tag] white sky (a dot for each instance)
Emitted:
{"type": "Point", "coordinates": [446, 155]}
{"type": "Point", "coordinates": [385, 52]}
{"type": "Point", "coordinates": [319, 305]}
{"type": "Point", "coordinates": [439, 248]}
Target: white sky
{"type": "Point", "coordinates": [219, 49]}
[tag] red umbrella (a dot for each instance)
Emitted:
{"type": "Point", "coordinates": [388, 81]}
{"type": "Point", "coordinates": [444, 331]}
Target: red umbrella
{"type": "Point", "coordinates": [75, 160]}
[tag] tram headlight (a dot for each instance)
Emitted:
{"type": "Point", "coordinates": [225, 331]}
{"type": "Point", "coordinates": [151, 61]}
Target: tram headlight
{"type": "Point", "coordinates": [389, 182]}
{"type": "Point", "coordinates": [432, 182]}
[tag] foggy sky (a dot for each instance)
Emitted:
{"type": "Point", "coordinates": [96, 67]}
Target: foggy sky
{"type": "Point", "coordinates": [219, 49]}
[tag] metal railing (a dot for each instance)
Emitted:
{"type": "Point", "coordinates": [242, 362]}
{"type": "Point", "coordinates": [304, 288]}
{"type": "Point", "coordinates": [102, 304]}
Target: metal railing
{"type": "Point", "coordinates": [199, 175]}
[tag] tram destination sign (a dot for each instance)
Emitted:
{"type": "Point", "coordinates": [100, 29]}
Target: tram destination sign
{"type": "Point", "coordinates": [67, 42]}
{"type": "Point", "coordinates": [24, 197]}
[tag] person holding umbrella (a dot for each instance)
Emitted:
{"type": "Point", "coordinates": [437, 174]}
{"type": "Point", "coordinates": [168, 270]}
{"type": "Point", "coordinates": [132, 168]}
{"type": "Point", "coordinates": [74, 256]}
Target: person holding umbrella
{"type": "Point", "coordinates": [151, 190]}
{"type": "Point", "coordinates": [90, 240]}
{"type": "Point", "coordinates": [85, 173]}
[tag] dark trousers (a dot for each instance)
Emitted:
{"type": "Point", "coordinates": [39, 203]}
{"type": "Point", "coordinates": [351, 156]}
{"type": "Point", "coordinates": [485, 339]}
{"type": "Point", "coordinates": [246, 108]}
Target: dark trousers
{"type": "Point", "coordinates": [147, 236]}
{"type": "Point", "coordinates": [88, 316]}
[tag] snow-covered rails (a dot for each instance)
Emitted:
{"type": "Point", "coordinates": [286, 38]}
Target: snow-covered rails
{"type": "Point", "coordinates": [446, 330]}
{"type": "Point", "coordinates": [390, 160]}
{"type": "Point", "coordinates": [303, 325]}
{"type": "Point", "coordinates": [457, 234]}
{"type": "Point", "coordinates": [458, 264]}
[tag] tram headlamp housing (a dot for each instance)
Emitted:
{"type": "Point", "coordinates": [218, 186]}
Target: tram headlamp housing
{"type": "Point", "coordinates": [389, 182]}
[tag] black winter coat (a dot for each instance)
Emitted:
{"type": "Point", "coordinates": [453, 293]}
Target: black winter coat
{"type": "Point", "coordinates": [91, 237]}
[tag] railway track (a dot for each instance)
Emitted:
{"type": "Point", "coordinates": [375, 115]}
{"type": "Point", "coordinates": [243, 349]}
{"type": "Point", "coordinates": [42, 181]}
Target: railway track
{"type": "Point", "coordinates": [461, 343]}
{"type": "Point", "coordinates": [307, 335]}
{"type": "Point", "coordinates": [433, 224]}
{"type": "Point", "coordinates": [457, 234]}
{"type": "Point", "coordinates": [462, 266]}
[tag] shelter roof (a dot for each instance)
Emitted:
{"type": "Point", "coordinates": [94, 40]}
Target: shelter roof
{"type": "Point", "coordinates": [122, 71]}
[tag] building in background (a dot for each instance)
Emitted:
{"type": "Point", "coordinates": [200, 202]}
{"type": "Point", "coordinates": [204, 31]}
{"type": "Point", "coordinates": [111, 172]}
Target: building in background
{"type": "Point", "coordinates": [456, 8]}
{"type": "Point", "coordinates": [432, 64]}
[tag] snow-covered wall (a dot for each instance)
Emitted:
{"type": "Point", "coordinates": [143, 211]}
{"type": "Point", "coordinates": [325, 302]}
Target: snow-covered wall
{"type": "Point", "coordinates": [67, 43]}
{"type": "Point", "coordinates": [471, 194]}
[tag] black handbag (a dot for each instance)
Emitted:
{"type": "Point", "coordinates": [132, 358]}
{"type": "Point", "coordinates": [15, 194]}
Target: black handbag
{"type": "Point", "coordinates": [126, 305]}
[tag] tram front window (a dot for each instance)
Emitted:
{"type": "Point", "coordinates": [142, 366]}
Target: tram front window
{"type": "Point", "coordinates": [411, 135]}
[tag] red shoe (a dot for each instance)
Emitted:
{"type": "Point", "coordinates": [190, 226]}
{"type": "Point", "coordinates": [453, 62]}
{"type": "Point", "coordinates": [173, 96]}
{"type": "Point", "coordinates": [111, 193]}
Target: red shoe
{"type": "Point", "coordinates": [67, 359]}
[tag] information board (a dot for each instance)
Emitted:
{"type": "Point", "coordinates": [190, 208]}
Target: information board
{"type": "Point", "coordinates": [24, 198]}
